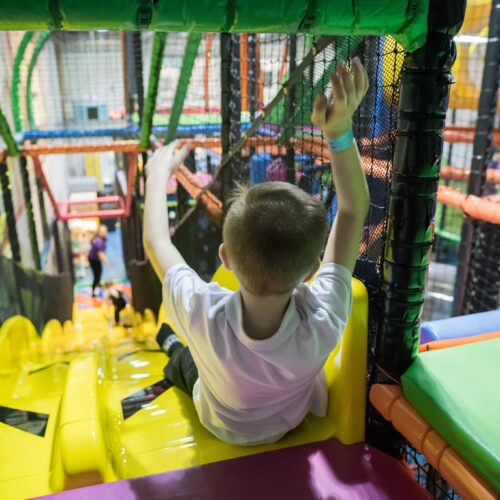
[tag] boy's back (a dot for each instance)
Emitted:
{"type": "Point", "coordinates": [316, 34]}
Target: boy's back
{"type": "Point", "coordinates": [254, 358]}
{"type": "Point", "coordinates": [254, 391]}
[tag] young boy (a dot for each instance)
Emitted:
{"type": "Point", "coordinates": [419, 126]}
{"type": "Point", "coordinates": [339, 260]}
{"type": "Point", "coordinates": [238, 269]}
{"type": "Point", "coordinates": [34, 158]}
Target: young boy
{"type": "Point", "coordinates": [114, 295]}
{"type": "Point", "coordinates": [255, 357]}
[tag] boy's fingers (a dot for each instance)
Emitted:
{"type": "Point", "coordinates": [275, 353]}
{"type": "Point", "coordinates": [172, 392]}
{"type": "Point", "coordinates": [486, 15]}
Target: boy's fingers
{"type": "Point", "coordinates": [181, 154]}
{"type": "Point", "coordinates": [348, 80]}
{"type": "Point", "coordinates": [339, 95]}
{"type": "Point", "coordinates": [320, 109]}
{"type": "Point", "coordinates": [170, 148]}
{"type": "Point", "coordinates": [359, 77]}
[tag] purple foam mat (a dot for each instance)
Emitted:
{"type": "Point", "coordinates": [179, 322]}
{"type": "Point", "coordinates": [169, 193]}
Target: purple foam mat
{"type": "Point", "coordinates": [325, 471]}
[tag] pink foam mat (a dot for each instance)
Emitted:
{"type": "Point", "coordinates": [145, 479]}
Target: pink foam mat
{"type": "Point", "coordinates": [325, 470]}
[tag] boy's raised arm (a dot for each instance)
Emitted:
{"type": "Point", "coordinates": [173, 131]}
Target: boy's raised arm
{"type": "Point", "coordinates": [156, 236]}
{"type": "Point", "coordinates": [349, 88]}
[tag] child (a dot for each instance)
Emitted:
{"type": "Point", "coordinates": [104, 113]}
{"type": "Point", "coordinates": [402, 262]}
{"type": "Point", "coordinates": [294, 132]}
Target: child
{"type": "Point", "coordinates": [116, 296]}
{"type": "Point", "coordinates": [255, 357]}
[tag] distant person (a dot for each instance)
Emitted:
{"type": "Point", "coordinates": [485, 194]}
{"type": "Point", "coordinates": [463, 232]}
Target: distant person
{"type": "Point", "coordinates": [97, 255]}
{"type": "Point", "coordinates": [115, 295]}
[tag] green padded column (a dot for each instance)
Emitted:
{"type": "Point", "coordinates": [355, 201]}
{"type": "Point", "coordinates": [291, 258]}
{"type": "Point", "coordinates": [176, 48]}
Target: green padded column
{"type": "Point", "coordinates": [190, 53]}
{"type": "Point", "coordinates": [8, 204]}
{"type": "Point", "coordinates": [7, 136]}
{"type": "Point", "coordinates": [159, 42]}
{"type": "Point", "coordinates": [44, 36]}
{"type": "Point", "coordinates": [16, 80]}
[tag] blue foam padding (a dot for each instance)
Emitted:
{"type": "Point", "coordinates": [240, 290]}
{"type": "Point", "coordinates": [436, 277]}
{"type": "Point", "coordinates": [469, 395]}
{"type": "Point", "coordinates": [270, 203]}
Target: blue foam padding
{"type": "Point", "coordinates": [460, 326]}
{"type": "Point", "coordinates": [134, 130]}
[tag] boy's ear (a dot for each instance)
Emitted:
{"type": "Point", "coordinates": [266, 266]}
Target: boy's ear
{"type": "Point", "coordinates": [223, 257]}
{"type": "Point", "coordinates": [313, 271]}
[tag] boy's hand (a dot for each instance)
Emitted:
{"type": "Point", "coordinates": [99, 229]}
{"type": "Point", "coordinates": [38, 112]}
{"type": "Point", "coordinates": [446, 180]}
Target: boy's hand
{"type": "Point", "coordinates": [349, 83]}
{"type": "Point", "coordinates": [166, 159]}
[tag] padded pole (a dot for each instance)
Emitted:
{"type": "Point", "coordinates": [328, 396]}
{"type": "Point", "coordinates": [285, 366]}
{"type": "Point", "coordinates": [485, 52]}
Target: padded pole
{"type": "Point", "coordinates": [159, 42]}
{"type": "Point", "coordinates": [290, 106]}
{"type": "Point", "coordinates": [482, 152]}
{"type": "Point", "coordinates": [190, 53]}
{"type": "Point", "coordinates": [9, 212]}
{"type": "Point", "coordinates": [43, 210]}
{"type": "Point", "coordinates": [16, 80]}
{"type": "Point", "coordinates": [252, 76]}
{"type": "Point", "coordinates": [7, 136]}
{"type": "Point", "coordinates": [230, 110]}
{"type": "Point", "coordinates": [28, 202]}
{"type": "Point", "coordinates": [138, 73]}
{"type": "Point", "coordinates": [40, 43]}
{"type": "Point", "coordinates": [425, 82]}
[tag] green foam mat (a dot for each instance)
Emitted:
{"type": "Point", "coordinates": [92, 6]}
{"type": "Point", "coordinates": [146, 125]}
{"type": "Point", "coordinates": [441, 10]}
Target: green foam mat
{"type": "Point", "coordinates": [457, 391]}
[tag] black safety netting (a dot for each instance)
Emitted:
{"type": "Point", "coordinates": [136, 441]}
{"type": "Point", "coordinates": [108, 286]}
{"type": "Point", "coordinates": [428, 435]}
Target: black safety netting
{"type": "Point", "coordinates": [35, 295]}
{"type": "Point", "coordinates": [480, 288]}
{"type": "Point", "coordinates": [281, 144]}
{"type": "Point", "coordinates": [483, 284]}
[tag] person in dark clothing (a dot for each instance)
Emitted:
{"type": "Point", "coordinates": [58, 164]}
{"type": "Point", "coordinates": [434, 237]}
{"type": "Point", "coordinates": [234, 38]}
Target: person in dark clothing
{"type": "Point", "coordinates": [97, 255]}
{"type": "Point", "coordinates": [116, 296]}
{"type": "Point", "coordinates": [181, 370]}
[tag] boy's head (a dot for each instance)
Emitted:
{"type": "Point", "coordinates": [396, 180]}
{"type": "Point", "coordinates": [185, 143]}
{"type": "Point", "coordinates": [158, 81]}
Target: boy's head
{"type": "Point", "coordinates": [273, 236]}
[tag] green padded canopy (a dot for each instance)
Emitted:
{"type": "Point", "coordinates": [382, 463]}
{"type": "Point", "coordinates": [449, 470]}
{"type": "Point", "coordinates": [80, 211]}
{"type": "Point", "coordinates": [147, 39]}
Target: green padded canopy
{"type": "Point", "coordinates": [406, 20]}
{"type": "Point", "coordinates": [457, 390]}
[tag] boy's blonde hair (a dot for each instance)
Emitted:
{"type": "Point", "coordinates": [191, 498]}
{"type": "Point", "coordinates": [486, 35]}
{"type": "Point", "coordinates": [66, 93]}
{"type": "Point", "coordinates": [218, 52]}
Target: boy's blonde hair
{"type": "Point", "coordinates": [273, 234]}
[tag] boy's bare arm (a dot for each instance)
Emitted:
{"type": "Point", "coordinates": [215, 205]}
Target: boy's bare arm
{"type": "Point", "coordinates": [156, 236]}
{"type": "Point", "coordinates": [349, 88]}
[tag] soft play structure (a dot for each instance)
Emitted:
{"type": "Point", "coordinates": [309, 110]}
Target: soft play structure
{"type": "Point", "coordinates": [95, 88]}
{"type": "Point", "coordinates": [452, 382]}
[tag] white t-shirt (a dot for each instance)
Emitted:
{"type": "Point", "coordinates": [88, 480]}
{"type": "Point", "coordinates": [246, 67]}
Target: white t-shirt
{"type": "Point", "coordinates": [255, 391]}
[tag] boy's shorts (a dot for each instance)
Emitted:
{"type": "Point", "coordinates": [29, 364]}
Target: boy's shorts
{"type": "Point", "coordinates": [181, 370]}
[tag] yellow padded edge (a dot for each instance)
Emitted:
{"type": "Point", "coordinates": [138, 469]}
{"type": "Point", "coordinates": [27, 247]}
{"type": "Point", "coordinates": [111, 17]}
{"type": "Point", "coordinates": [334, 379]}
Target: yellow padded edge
{"type": "Point", "coordinates": [347, 382]}
{"type": "Point", "coordinates": [82, 441]}
{"type": "Point", "coordinates": [18, 340]}
{"type": "Point", "coordinates": [53, 339]}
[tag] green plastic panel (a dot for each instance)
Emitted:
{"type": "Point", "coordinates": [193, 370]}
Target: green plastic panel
{"type": "Point", "coordinates": [404, 19]}
{"type": "Point", "coordinates": [457, 390]}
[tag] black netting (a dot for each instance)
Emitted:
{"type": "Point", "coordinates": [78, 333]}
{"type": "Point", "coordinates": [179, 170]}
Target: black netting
{"type": "Point", "coordinates": [37, 296]}
{"type": "Point", "coordinates": [445, 285]}
{"type": "Point", "coordinates": [284, 145]}
{"type": "Point", "coordinates": [427, 476]}
{"type": "Point", "coordinates": [483, 284]}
